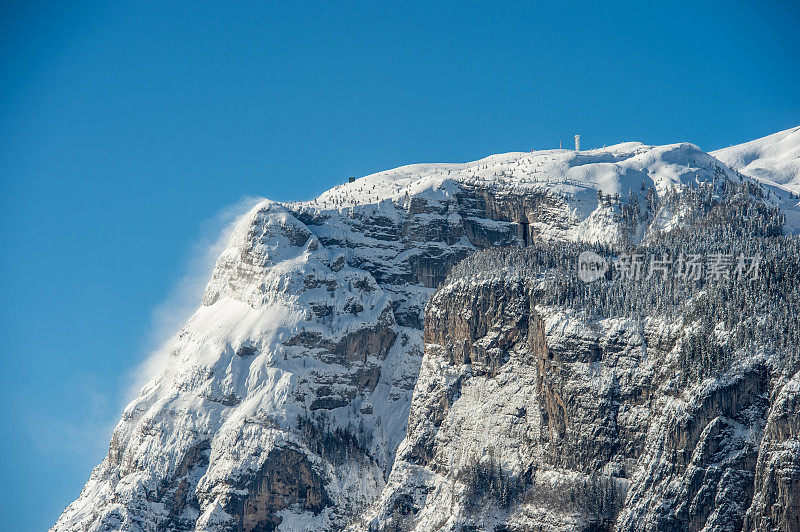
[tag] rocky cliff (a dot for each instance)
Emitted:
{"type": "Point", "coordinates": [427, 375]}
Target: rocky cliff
{"type": "Point", "coordinates": [647, 404]}
{"type": "Point", "coordinates": [286, 400]}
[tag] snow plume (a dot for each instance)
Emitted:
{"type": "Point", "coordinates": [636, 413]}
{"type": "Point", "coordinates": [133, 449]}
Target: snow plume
{"type": "Point", "coordinates": [187, 292]}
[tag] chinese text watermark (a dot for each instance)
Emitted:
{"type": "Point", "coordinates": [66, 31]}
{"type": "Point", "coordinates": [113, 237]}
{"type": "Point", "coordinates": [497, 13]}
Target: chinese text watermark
{"type": "Point", "coordinates": [639, 266]}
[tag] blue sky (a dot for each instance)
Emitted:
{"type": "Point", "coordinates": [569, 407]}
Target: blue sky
{"type": "Point", "coordinates": [126, 128]}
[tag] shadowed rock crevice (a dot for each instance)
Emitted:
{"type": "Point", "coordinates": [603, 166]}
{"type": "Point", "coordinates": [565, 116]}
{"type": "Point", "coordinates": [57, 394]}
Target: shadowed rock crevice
{"type": "Point", "coordinates": [286, 478]}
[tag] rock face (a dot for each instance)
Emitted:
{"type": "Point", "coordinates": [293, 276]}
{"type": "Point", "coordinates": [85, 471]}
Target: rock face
{"type": "Point", "coordinates": [529, 416]}
{"type": "Point", "coordinates": [285, 402]}
{"type": "Point", "coordinates": [776, 504]}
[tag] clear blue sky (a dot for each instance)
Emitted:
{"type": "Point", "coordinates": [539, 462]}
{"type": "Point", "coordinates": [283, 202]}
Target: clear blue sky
{"type": "Point", "coordinates": [125, 126]}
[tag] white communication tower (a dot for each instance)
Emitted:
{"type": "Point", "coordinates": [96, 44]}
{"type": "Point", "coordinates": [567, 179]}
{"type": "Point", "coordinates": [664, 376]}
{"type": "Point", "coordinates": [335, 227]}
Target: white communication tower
{"type": "Point", "coordinates": [577, 143]}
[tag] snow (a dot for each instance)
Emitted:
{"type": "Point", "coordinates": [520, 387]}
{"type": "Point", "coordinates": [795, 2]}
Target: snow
{"type": "Point", "coordinates": [613, 169]}
{"type": "Point", "coordinates": [774, 159]}
{"type": "Point", "coordinates": [278, 276]}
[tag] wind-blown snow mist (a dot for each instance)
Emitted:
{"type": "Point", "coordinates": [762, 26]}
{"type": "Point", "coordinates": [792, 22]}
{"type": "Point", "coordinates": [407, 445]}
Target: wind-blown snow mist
{"type": "Point", "coordinates": [186, 294]}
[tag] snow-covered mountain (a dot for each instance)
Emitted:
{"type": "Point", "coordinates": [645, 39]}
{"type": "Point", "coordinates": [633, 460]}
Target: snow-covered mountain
{"type": "Point", "coordinates": [288, 393]}
{"type": "Point", "coordinates": [772, 159]}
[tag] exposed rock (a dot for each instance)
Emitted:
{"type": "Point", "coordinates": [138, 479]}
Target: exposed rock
{"type": "Point", "coordinates": [523, 414]}
{"type": "Point", "coordinates": [776, 504]}
{"type": "Point", "coordinates": [528, 416]}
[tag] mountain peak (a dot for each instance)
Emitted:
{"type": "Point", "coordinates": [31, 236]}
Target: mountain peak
{"type": "Point", "coordinates": [286, 397]}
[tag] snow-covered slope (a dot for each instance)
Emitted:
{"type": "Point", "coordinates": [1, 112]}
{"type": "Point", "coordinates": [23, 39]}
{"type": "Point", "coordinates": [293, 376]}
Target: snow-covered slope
{"type": "Point", "coordinates": [286, 395]}
{"type": "Point", "coordinates": [774, 159]}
